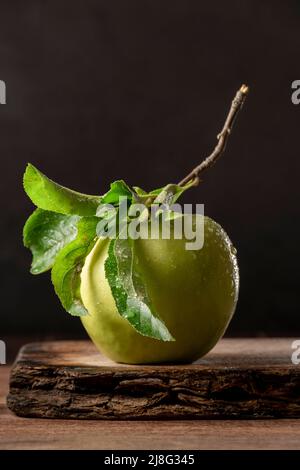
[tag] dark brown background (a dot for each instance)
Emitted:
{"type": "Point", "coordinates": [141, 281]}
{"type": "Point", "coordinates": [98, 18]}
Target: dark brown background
{"type": "Point", "coordinates": [105, 89]}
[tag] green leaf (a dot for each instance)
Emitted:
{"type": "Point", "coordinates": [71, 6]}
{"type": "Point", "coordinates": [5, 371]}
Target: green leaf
{"type": "Point", "coordinates": [130, 293]}
{"type": "Point", "coordinates": [155, 192]}
{"type": "Point", "coordinates": [118, 189]}
{"type": "Point", "coordinates": [50, 196]}
{"type": "Point", "coordinates": [139, 191]}
{"type": "Point", "coordinates": [45, 234]}
{"type": "Point", "coordinates": [167, 195]}
{"type": "Point", "coordinates": [170, 193]}
{"type": "Point", "coordinates": [68, 265]}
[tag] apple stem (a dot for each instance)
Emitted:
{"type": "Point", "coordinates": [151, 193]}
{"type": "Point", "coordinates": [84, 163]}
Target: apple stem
{"type": "Point", "coordinates": [222, 137]}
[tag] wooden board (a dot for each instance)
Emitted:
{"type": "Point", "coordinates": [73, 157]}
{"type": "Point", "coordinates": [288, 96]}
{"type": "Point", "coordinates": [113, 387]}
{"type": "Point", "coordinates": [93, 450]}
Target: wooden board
{"type": "Point", "coordinates": [245, 378]}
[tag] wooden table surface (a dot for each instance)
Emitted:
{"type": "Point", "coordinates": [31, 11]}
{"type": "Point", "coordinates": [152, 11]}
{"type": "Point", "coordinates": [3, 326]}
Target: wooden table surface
{"type": "Point", "coordinates": [25, 433]}
{"type": "Point", "coordinates": [249, 378]}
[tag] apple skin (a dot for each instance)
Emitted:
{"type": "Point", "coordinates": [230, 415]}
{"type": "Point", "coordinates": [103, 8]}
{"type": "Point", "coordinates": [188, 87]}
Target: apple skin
{"type": "Point", "coordinates": [194, 293]}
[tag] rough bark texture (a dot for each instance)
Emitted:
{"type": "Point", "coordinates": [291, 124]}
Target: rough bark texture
{"type": "Point", "coordinates": [239, 379]}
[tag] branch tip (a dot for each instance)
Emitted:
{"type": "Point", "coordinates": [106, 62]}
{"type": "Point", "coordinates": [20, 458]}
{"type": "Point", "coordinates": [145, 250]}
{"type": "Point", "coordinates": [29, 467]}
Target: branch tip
{"type": "Point", "coordinates": [222, 138]}
{"type": "Point", "coordinates": [244, 89]}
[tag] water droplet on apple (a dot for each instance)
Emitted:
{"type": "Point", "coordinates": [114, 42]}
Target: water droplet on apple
{"type": "Point", "coordinates": [233, 250]}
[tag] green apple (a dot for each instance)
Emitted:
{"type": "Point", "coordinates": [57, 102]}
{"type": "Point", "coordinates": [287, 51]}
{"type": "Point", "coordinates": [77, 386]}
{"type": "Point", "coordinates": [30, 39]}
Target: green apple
{"type": "Point", "coordinates": [193, 292]}
{"type": "Point", "coordinates": [141, 301]}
